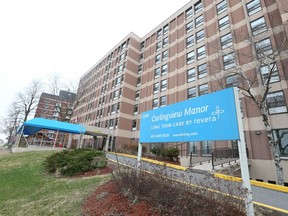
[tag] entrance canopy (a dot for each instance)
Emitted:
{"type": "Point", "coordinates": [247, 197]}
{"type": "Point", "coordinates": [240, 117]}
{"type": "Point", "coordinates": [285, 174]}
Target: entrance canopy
{"type": "Point", "coordinates": [34, 125]}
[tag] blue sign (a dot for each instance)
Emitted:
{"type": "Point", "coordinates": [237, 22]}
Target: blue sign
{"type": "Point", "coordinates": [208, 117]}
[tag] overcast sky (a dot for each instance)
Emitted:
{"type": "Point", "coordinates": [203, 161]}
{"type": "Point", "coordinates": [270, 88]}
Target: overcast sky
{"type": "Point", "coordinates": [66, 37]}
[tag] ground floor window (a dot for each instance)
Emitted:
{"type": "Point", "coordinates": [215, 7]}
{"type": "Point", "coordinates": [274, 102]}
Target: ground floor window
{"type": "Point", "coordinates": [206, 147]}
{"type": "Point", "coordinates": [281, 136]}
{"type": "Point", "coordinates": [192, 147]}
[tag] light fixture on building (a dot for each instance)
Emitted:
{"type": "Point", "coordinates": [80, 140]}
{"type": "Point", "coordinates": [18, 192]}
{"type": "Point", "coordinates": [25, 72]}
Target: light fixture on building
{"type": "Point", "coordinates": [257, 132]}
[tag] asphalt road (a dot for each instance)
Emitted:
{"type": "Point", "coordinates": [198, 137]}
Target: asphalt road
{"type": "Point", "coordinates": [261, 195]}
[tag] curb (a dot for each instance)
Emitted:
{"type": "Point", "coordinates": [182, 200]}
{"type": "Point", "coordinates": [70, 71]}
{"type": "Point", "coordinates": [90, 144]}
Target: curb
{"type": "Point", "coordinates": [153, 161]}
{"type": "Point", "coordinates": [253, 182]}
{"type": "Point", "coordinates": [216, 175]}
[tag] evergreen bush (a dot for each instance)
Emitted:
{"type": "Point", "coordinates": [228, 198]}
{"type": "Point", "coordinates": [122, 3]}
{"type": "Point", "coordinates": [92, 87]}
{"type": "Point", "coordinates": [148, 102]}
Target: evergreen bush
{"type": "Point", "coordinates": [70, 162]}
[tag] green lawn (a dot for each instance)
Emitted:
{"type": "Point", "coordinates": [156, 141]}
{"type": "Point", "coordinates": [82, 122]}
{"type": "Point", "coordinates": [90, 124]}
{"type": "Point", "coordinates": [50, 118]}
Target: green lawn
{"type": "Point", "coordinates": [26, 190]}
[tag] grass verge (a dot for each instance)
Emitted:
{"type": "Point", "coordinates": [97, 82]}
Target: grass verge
{"type": "Point", "coordinates": [26, 190]}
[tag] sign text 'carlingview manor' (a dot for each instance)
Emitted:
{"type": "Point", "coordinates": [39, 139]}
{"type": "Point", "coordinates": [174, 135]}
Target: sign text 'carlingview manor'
{"type": "Point", "coordinates": [208, 117]}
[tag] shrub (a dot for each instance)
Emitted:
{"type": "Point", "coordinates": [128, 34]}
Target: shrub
{"type": "Point", "coordinates": [132, 149]}
{"type": "Point", "coordinates": [156, 151]}
{"type": "Point", "coordinates": [170, 153]}
{"type": "Point", "coordinates": [171, 197]}
{"type": "Point", "coordinates": [70, 162]}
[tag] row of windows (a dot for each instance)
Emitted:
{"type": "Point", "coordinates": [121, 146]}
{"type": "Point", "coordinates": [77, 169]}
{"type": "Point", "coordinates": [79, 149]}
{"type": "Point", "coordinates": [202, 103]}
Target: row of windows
{"type": "Point", "coordinates": [263, 49]}
{"type": "Point", "coordinates": [202, 72]}
{"type": "Point", "coordinates": [162, 100]}
{"type": "Point", "coordinates": [198, 6]}
{"type": "Point", "coordinates": [258, 26]}
{"type": "Point", "coordinates": [162, 56]}
{"type": "Point", "coordinates": [160, 86]}
{"type": "Point", "coordinates": [200, 52]}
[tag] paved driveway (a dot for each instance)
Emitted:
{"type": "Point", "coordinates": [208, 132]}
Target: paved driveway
{"type": "Point", "coordinates": [261, 195]}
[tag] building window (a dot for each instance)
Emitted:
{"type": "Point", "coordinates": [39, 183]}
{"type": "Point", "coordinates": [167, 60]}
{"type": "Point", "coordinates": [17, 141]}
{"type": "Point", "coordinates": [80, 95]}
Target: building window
{"type": "Point", "coordinates": [203, 89]}
{"type": "Point", "coordinates": [137, 95]}
{"type": "Point", "coordinates": [229, 61]}
{"type": "Point", "coordinates": [258, 26]}
{"type": "Point", "coordinates": [198, 6]}
{"type": "Point", "coordinates": [155, 103]}
{"type": "Point", "coordinates": [113, 108]}
{"type": "Point", "coordinates": [281, 136]}
{"type": "Point", "coordinates": [115, 94]}
{"type": "Point", "coordinates": [120, 92]}
{"type": "Point", "coordinates": [138, 81]}
{"type": "Point", "coordinates": [165, 29]}
{"type": "Point", "coordinates": [158, 59]}
{"type": "Point", "coordinates": [263, 48]}
{"type": "Point", "coordinates": [191, 75]}
{"type": "Point", "coordinates": [201, 52]}
{"type": "Point", "coordinates": [200, 36]}
{"type": "Point", "coordinates": [199, 21]}
{"type": "Point", "coordinates": [253, 7]}
{"type": "Point", "coordinates": [276, 102]}
{"type": "Point", "coordinates": [158, 46]}
{"type": "Point", "coordinates": [165, 41]}
{"type": "Point", "coordinates": [157, 72]}
{"type": "Point", "coordinates": [202, 71]}
{"type": "Point", "coordinates": [189, 26]}
{"type": "Point", "coordinates": [111, 123]}
{"type": "Point", "coordinates": [159, 33]}
{"type": "Point", "coordinates": [122, 57]}
{"type": "Point", "coordinates": [223, 23]}
{"type": "Point", "coordinates": [118, 107]}
{"type": "Point", "coordinates": [189, 41]}
{"type": "Point", "coordinates": [189, 13]}
{"type": "Point", "coordinates": [190, 57]}
{"type": "Point", "coordinates": [231, 81]}
{"type": "Point", "coordinates": [265, 72]}
{"type": "Point", "coordinates": [164, 69]}
{"type": "Point", "coordinates": [142, 46]}
{"type": "Point", "coordinates": [164, 55]}
{"type": "Point", "coordinates": [191, 92]}
{"type": "Point", "coordinates": [141, 56]}
{"type": "Point", "coordinates": [117, 82]}
{"type": "Point", "coordinates": [206, 147]}
{"type": "Point", "coordinates": [156, 87]}
{"type": "Point", "coordinates": [221, 7]}
{"type": "Point", "coordinates": [163, 101]}
{"type": "Point", "coordinates": [163, 85]}
{"type": "Point", "coordinates": [120, 68]}
{"type": "Point", "coordinates": [134, 125]}
{"type": "Point", "coordinates": [140, 68]}
{"type": "Point", "coordinates": [136, 109]}
{"type": "Point", "coordinates": [226, 40]}
{"type": "Point", "coordinates": [192, 148]}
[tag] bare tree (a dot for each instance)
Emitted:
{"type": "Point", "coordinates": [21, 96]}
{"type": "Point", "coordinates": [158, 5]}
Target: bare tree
{"type": "Point", "coordinates": [11, 123]}
{"type": "Point", "coordinates": [28, 100]}
{"type": "Point", "coordinates": [255, 83]}
{"type": "Point", "coordinates": [53, 84]}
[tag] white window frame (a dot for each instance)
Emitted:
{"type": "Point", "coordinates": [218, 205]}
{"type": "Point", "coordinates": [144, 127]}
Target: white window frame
{"type": "Point", "coordinates": [258, 26]}
{"type": "Point", "coordinates": [253, 7]}
{"type": "Point", "coordinates": [272, 97]}
{"type": "Point", "coordinates": [223, 22]}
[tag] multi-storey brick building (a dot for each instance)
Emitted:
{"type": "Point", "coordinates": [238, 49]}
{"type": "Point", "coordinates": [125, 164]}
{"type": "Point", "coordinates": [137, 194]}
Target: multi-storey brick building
{"type": "Point", "coordinates": [199, 49]}
{"type": "Point", "coordinates": [55, 107]}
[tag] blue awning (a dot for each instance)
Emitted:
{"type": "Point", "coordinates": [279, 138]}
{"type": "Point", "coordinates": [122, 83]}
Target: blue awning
{"type": "Point", "coordinates": [34, 125]}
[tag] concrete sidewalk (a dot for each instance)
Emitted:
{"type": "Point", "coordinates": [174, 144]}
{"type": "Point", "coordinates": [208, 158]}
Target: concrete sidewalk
{"type": "Point", "coordinates": [34, 148]}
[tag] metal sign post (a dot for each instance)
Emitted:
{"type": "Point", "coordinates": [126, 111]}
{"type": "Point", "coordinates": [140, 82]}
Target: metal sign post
{"type": "Point", "coordinates": [214, 116]}
{"type": "Point", "coordinates": [139, 156]}
{"type": "Point", "coordinates": [243, 158]}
